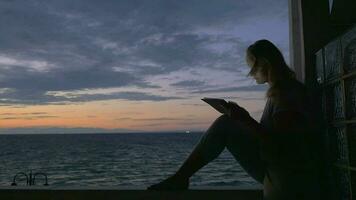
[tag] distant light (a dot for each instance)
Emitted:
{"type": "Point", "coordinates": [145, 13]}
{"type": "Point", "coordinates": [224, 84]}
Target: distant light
{"type": "Point", "coordinates": [187, 131]}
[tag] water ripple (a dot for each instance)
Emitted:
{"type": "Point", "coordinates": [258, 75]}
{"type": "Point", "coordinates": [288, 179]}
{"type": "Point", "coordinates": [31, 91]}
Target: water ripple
{"type": "Point", "coordinates": [112, 159]}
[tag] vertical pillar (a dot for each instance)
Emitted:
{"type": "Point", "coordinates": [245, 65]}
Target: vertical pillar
{"type": "Point", "coordinates": [309, 31]}
{"type": "Point", "coordinates": [296, 41]}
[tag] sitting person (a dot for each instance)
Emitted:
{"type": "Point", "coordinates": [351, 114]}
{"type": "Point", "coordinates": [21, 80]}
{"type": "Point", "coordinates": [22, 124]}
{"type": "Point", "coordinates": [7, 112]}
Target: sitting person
{"type": "Point", "coordinates": [278, 151]}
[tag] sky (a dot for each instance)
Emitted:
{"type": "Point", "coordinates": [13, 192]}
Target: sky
{"type": "Point", "coordinates": [130, 65]}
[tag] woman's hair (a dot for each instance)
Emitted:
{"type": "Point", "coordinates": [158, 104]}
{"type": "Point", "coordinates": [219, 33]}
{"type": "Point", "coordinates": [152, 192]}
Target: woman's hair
{"type": "Point", "coordinates": [279, 74]}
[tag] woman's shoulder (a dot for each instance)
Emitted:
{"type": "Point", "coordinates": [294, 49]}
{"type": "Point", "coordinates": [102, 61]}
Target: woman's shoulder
{"type": "Point", "coordinates": [293, 86]}
{"type": "Point", "coordinates": [291, 91]}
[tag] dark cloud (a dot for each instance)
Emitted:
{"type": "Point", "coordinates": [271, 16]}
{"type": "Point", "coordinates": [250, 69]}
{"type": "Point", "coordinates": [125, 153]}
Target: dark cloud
{"type": "Point", "coordinates": [250, 88]}
{"type": "Point", "coordinates": [20, 78]}
{"type": "Point", "coordinates": [132, 113]}
{"type": "Point", "coordinates": [137, 96]}
{"type": "Point", "coordinates": [190, 123]}
{"type": "Point", "coordinates": [35, 113]}
{"type": "Point", "coordinates": [244, 98]}
{"type": "Point", "coordinates": [152, 119]}
{"type": "Point", "coordinates": [28, 117]}
{"type": "Point", "coordinates": [62, 130]}
{"type": "Point", "coordinates": [40, 98]}
{"type": "Point", "coordinates": [124, 118]}
{"type": "Point", "coordinates": [49, 45]}
{"type": "Point", "coordinates": [193, 104]}
{"type": "Point", "coordinates": [189, 84]}
{"type": "Point", "coordinates": [30, 113]}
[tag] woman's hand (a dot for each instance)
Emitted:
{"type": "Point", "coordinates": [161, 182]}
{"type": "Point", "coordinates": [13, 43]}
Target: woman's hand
{"type": "Point", "coordinates": [237, 112]}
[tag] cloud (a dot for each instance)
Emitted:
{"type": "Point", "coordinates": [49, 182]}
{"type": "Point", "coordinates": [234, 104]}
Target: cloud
{"type": "Point", "coordinates": [185, 123]}
{"type": "Point", "coordinates": [249, 88]}
{"type": "Point", "coordinates": [62, 130]}
{"type": "Point", "coordinates": [42, 99]}
{"type": "Point", "coordinates": [152, 119]}
{"type": "Point", "coordinates": [132, 113]}
{"type": "Point", "coordinates": [52, 46]}
{"type": "Point", "coordinates": [20, 78]}
{"type": "Point", "coordinates": [189, 83]}
{"type": "Point", "coordinates": [28, 117]}
{"type": "Point", "coordinates": [193, 104]}
{"type": "Point", "coordinates": [136, 96]}
{"type": "Point", "coordinates": [28, 113]}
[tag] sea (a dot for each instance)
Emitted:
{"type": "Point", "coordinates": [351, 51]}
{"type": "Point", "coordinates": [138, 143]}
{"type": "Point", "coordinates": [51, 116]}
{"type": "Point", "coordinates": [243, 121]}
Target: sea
{"type": "Point", "coordinates": [122, 159]}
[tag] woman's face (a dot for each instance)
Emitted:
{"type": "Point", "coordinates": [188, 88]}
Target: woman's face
{"type": "Point", "coordinates": [258, 74]}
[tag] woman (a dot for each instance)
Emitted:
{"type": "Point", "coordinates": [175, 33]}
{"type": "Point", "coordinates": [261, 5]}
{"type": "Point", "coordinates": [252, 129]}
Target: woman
{"type": "Point", "coordinates": [277, 152]}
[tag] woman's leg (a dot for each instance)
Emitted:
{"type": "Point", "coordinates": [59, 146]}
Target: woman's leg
{"type": "Point", "coordinates": [224, 132]}
{"type": "Point", "coordinates": [246, 150]}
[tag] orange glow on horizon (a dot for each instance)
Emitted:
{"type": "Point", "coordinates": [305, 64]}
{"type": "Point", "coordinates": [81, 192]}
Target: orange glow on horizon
{"type": "Point", "coordinates": [145, 115]}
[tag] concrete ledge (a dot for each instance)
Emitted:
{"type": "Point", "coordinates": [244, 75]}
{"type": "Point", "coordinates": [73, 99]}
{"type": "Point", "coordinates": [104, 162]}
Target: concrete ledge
{"type": "Point", "coordinates": [77, 193]}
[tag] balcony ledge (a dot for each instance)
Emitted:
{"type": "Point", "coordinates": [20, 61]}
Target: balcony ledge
{"type": "Point", "coordinates": [77, 193]}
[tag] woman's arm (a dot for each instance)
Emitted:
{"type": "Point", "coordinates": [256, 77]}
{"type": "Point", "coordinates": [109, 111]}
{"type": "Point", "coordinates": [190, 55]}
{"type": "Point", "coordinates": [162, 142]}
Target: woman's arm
{"type": "Point", "coordinates": [283, 122]}
{"type": "Point", "coordinates": [242, 116]}
{"type": "Point", "coordinates": [255, 128]}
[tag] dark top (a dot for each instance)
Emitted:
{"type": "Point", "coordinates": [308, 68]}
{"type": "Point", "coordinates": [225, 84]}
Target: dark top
{"type": "Point", "coordinates": [291, 160]}
{"type": "Point", "coordinates": [292, 149]}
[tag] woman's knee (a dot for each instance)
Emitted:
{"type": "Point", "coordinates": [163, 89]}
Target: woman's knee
{"type": "Point", "coordinates": [229, 123]}
{"type": "Point", "coordinates": [220, 126]}
{"type": "Point", "coordinates": [223, 119]}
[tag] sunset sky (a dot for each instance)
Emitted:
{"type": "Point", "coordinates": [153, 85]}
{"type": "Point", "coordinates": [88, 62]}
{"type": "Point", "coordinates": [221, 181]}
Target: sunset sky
{"type": "Point", "coordinates": [130, 64]}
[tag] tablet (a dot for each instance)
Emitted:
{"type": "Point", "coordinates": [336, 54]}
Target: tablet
{"type": "Point", "coordinates": [219, 104]}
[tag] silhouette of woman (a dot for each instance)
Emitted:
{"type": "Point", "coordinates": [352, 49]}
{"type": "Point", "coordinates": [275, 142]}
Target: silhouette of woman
{"type": "Point", "coordinates": [278, 151]}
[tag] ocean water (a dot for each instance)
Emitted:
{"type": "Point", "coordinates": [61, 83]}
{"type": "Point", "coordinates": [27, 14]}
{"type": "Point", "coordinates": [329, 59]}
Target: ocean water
{"type": "Point", "coordinates": [132, 159]}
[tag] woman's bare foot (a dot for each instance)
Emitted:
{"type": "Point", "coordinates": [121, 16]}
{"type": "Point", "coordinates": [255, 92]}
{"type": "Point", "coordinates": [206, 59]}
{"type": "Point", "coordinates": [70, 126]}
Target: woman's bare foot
{"type": "Point", "coordinates": [171, 183]}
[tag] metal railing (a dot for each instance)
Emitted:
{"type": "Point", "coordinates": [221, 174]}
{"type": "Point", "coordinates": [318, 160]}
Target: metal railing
{"type": "Point", "coordinates": [30, 178]}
